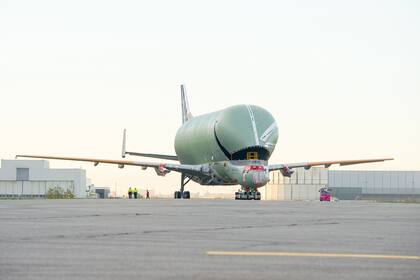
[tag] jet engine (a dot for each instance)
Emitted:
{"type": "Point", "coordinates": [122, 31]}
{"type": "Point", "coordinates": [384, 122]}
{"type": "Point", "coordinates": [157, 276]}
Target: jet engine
{"type": "Point", "coordinates": [161, 170]}
{"type": "Point", "coordinates": [286, 171]}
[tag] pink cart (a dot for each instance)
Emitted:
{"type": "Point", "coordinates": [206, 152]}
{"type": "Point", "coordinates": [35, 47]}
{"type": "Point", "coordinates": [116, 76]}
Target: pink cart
{"type": "Point", "coordinates": [325, 194]}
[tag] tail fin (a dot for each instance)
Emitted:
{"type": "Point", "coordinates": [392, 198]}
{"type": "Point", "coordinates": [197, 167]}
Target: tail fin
{"type": "Point", "coordinates": [186, 113]}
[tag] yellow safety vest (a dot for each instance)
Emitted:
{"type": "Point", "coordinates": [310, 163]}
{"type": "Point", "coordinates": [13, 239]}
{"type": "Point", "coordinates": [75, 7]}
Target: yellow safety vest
{"type": "Point", "coordinates": [130, 190]}
{"type": "Point", "coordinates": [135, 190]}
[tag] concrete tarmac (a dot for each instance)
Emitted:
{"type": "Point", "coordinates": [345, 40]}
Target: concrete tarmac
{"type": "Point", "coordinates": [176, 239]}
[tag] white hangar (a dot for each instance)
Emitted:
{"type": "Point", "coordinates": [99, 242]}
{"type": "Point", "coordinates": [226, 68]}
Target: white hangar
{"type": "Point", "coordinates": [344, 184]}
{"type": "Point", "coordinates": [33, 178]}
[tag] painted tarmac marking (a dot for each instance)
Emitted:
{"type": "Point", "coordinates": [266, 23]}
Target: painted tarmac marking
{"type": "Point", "coordinates": [305, 254]}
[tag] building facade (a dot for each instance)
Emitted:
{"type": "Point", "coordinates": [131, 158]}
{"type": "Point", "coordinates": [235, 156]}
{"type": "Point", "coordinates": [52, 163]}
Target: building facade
{"type": "Point", "coordinates": [33, 179]}
{"type": "Point", "coordinates": [378, 185]}
{"type": "Point", "coordinates": [344, 185]}
{"type": "Point", "coordinates": [302, 185]}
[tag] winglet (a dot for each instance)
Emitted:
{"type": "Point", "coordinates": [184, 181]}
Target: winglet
{"type": "Point", "coordinates": [186, 113]}
{"type": "Point", "coordinates": [123, 152]}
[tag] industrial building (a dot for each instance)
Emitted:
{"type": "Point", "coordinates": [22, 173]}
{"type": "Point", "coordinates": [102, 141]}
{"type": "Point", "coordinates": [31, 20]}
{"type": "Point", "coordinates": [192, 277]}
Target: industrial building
{"type": "Point", "coordinates": [302, 185]}
{"type": "Point", "coordinates": [33, 179]}
{"type": "Point", "coordinates": [99, 192]}
{"type": "Point", "coordinates": [344, 185]}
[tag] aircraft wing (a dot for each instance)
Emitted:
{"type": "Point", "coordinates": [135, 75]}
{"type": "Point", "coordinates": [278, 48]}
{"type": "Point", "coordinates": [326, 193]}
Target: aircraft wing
{"type": "Point", "coordinates": [160, 168]}
{"type": "Point", "coordinates": [307, 165]}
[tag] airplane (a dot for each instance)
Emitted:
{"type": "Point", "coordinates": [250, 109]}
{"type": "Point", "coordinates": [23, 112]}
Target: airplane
{"type": "Point", "coordinates": [227, 147]}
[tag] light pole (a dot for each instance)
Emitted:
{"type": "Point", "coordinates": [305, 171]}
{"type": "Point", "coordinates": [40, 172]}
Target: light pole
{"type": "Point", "coordinates": [115, 194]}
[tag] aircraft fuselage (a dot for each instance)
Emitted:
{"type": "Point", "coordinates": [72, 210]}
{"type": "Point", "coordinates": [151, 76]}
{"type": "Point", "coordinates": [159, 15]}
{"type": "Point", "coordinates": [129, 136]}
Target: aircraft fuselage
{"type": "Point", "coordinates": [233, 145]}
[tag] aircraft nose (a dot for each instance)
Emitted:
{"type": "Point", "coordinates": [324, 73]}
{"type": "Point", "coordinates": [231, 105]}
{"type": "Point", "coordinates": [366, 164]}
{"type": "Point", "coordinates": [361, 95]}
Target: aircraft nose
{"type": "Point", "coordinates": [255, 177]}
{"type": "Point", "coordinates": [260, 178]}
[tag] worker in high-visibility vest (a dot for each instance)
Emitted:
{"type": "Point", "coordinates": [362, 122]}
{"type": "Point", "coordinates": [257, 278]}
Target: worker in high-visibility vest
{"type": "Point", "coordinates": [135, 193]}
{"type": "Point", "coordinates": [130, 192]}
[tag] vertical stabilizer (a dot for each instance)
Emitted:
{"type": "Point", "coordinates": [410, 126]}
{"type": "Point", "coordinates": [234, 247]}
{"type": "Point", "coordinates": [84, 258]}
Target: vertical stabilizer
{"type": "Point", "coordinates": [186, 113]}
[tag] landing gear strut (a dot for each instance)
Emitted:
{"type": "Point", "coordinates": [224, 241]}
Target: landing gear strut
{"type": "Point", "coordinates": [181, 193]}
{"type": "Point", "coordinates": [248, 195]}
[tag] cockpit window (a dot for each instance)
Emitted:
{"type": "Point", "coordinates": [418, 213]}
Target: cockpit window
{"type": "Point", "coordinates": [252, 155]}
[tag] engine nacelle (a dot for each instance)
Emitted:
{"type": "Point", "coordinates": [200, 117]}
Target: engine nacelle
{"type": "Point", "coordinates": [286, 171]}
{"type": "Point", "coordinates": [161, 170]}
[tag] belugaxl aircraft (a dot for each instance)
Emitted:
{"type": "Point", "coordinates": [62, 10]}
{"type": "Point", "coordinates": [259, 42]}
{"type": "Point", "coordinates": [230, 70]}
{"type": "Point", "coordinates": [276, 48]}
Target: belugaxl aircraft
{"type": "Point", "coordinates": [227, 147]}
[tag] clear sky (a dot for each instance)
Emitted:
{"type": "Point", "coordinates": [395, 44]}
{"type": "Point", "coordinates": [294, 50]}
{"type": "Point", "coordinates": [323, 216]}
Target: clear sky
{"type": "Point", "coordinates": [340, 77]}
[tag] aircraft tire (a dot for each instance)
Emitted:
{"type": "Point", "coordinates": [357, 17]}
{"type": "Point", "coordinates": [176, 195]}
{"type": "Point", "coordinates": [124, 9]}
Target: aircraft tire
{"type": "Point", "coordinates": [244, 196]}
{"type": "Point", "coordinates": [177, 195]}
{"type": "Point", "coordinates": [186, 195]}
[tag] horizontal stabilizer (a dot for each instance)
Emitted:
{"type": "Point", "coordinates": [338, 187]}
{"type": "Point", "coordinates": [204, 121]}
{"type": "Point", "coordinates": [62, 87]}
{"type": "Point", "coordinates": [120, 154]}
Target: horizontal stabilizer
{"type": "Point", "coordinates": [168, 157]}
{"type": "Point", "coordinates": [125, 152]}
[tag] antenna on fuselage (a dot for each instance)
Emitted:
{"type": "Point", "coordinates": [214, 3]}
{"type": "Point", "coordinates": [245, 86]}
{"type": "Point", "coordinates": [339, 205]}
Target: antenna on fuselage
{"type": "Point", "coordinates": [186, 113]}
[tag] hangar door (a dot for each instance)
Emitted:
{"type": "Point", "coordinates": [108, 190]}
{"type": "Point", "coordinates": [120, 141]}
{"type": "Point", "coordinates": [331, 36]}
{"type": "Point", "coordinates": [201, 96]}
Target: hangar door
{"type": "Point", "coordinates": [31, 189]}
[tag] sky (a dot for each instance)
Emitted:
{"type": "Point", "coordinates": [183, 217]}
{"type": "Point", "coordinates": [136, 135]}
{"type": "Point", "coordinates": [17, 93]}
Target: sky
{"type": "Point", "coordinates": [340, 77]}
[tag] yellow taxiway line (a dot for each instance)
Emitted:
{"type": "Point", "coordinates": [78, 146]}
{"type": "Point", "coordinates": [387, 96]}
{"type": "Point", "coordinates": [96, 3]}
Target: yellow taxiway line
{"type": "Point", "coordinates": [306, 254]}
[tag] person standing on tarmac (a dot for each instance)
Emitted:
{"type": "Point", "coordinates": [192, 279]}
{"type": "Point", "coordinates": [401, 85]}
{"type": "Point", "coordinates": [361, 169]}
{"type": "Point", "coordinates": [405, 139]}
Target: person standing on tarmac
{"type": "Point", "coordinates": [130, 192]}
{"type": "Point", "coordinates": [135, 193]}
{"type": "Point", "coordinates": [147, 194]}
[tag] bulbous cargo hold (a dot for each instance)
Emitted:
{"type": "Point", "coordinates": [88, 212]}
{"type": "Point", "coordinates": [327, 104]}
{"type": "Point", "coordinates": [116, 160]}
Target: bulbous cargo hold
{"type": "Point", "coordinates": [242, 132]}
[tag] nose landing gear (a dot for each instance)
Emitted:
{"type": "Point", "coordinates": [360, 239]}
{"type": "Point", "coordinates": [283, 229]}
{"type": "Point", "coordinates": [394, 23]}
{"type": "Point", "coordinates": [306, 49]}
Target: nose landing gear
{"type": "Point", "coordinates": [181, 193]}
{"type": "Point", "coordinates": [248, 195]}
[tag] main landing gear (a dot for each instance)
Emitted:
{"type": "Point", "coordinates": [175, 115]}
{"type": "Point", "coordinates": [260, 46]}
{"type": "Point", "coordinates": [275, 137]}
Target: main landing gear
{"type": "Point", "coordinates": [248, 195]}
{"type": "Point", "coordinates": [181, 193]}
